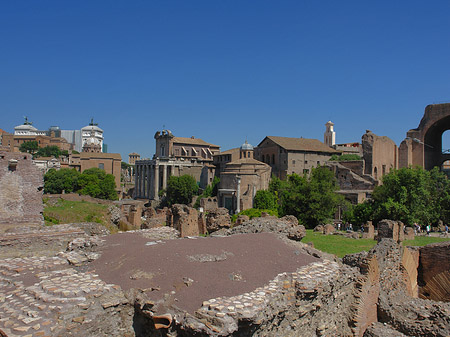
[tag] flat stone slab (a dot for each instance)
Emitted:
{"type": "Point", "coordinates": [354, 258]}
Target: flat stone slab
{"type": "Point", "coordinates": [193, 270]}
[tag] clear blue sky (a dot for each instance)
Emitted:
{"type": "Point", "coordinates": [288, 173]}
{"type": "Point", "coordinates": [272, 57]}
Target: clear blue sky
{"type": "Point", "coordinates": [223, 70]}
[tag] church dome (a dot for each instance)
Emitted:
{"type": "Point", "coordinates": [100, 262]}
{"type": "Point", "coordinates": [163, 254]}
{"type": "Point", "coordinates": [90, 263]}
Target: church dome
{"type": "Point", "coordinates": [246, 146]}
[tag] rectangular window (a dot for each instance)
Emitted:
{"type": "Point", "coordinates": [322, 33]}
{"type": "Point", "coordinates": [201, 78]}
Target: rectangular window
{"type": "Point", "coordinates": [101, 166]}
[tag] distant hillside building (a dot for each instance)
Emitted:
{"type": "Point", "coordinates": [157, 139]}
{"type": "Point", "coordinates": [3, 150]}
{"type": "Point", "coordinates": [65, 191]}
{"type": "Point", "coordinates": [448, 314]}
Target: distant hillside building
{"type": "Point", "coordinates": [174, 156]}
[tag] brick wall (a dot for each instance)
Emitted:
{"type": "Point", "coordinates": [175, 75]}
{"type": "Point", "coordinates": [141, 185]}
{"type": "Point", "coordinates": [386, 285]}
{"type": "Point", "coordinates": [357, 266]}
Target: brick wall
{"type": "Point", "coordinates": [21, 185]}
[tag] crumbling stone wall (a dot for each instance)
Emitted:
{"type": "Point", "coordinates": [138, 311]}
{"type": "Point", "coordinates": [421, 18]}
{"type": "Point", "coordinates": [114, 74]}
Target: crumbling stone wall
{"type": "Point", "coordinates": [21, 185]}
{"type": "Point", "coordinates": [209, 203]}
{"type": "Point", "coordinates": [184, 219]}
{"type": "Point", "coordinates": [217, 218]}
{"type": "Point", "coordinates": [367, 290]}
{"type": "Point", "coordinates": [380, 154]}
{"type": "Point", "coordinates": [390, 229]}
{"type": "Point", "coordinates": [410, 264]}
{"type": "Point", "coordinates": [434, 263]}
{"type": "Point", "coordinates": [132, 211]}
{"type": "Point", "coordinates": [368, 231]}
{"type": "Point", "coordinates": [396, 308]}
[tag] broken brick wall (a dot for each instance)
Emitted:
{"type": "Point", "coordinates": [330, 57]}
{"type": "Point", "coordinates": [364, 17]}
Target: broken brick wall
{"type": "Point", "coordinates": [21, 185]}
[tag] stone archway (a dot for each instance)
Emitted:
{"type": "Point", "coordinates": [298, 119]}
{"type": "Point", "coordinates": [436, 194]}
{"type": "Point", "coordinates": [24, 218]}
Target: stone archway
{"type": "Point", "coordinates": [423, 146]}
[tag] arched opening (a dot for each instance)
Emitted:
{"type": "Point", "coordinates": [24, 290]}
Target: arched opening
{"type": "Point", "coordinates": [436, 143]}
{"type": "Point", "coordinates": [445, 167]}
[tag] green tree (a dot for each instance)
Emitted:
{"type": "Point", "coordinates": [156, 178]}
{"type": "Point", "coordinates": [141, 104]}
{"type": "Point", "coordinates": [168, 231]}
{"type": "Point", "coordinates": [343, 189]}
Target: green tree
{"type": "Point", "coordinates": [29, 146]}
{"type": "Point", "coordinates": [359, 214]}
{"type": "Point", "coordinates": [405, 195]}
{"type": "Point", "coordinates": [49, 151]}
{"type": "Point", "coordinates": [264, 199]}
{"type": "Point", "coordinates": [97, 183]}
{"type": "Point", "coordinates": [311, 198]}
{"type": "Point", "coordinates": [180, 190]}
{"type": "Point", "coordinates": [57, 181]}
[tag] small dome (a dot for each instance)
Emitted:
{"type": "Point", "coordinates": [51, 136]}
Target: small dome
{"type": "Point", "coordinates": [246, 146]}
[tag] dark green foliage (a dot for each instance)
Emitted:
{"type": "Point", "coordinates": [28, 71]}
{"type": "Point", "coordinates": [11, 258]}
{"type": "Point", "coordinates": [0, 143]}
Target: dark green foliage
{"type": "Point", "coordinates": [180, 190]}
{"type": "Point", "coordinates": [409, 195]}
{"type": "Point", "coordinates": [30, 147]}
{"type": "Point", "coordinates": [210, 191]}
{"type": "Point", "coordinates": [264, 199]}
{"type": "Point", "coordinates": [124, 165]}
{"type": "Point", "coordinates": [312, 199]}
{"type": "Point", "coordinates": [345, 157]}
{"type": "Point", "coordinates": [50, 151]}
{"type": "Point", "coordinates": [94, 182]}
{"type": "Point", "coordinates": [57, 181]}
{"type": "Point", "coordinates": [359, 214]}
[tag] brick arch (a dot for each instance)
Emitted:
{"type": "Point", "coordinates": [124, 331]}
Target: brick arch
{"type": "Point", "coordinates": [423, 145]}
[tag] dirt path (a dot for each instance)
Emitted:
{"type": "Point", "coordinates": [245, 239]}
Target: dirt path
{"type": "Point", "coordinates": [196, 269]}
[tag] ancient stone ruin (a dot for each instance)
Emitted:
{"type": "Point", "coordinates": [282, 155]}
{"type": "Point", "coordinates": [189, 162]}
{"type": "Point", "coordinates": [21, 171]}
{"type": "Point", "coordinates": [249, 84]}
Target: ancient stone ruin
{"type": "Point", "coordinates": [21, 185]}
{"type": "Point", "coordinates": [254, 279]}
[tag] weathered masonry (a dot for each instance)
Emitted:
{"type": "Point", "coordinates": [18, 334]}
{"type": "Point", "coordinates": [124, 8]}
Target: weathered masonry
{"type": "Point", "coordinates": [21, 185]}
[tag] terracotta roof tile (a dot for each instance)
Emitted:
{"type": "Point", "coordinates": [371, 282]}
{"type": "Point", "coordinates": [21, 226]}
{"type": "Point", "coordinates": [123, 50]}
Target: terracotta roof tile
{"type": "Point", "coordinates": [301, 144]}
{"type": "Point", "coordinates": [192, 141]}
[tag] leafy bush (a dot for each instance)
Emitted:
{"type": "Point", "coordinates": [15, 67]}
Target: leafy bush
{"type": "Point", "coordinates": [254, 213]}
{"type": "Point", "coordinates": [264, 199]}
{"type": "Point", "coordinates": [57, 181]}
{"type": "Point", "coordinates": [345, 157]}
{"type": "Point", "coordinates": [94, 182]}
{"type": "Point", "coordinates": [312, 199]}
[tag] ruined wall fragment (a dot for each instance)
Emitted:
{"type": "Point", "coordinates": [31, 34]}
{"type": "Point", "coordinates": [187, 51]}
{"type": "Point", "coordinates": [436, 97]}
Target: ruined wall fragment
{"type": "Point", "coordinates": [21, 185]}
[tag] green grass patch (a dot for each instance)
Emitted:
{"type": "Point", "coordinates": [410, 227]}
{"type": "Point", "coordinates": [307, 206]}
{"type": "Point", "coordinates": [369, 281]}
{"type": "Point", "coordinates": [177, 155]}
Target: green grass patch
{"type": "Point", "coordinates": [424, 240]}
{"type": "Point", "coordinates": [64, 211]}
{"type": "Point", "coordinates": [337, 244]}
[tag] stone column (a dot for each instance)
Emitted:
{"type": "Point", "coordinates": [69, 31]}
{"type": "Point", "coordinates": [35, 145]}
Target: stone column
{"type": "Point", "coordinates": [135, 184]}
{"type": "Point", "coordinates": [152, 181]}
{"type": "Point", "coordinates": [149, 180]}
{"type": "Point", "coordinates": [136, 179]}
{"type": "Point", "coordinates": [164, 176]}
{"type": "Point", "coordinates": [156, 183]}
{"type": "Point", "coordinates": [238, 195]}
{"type": "Point", "coordinates": [140, 181]}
